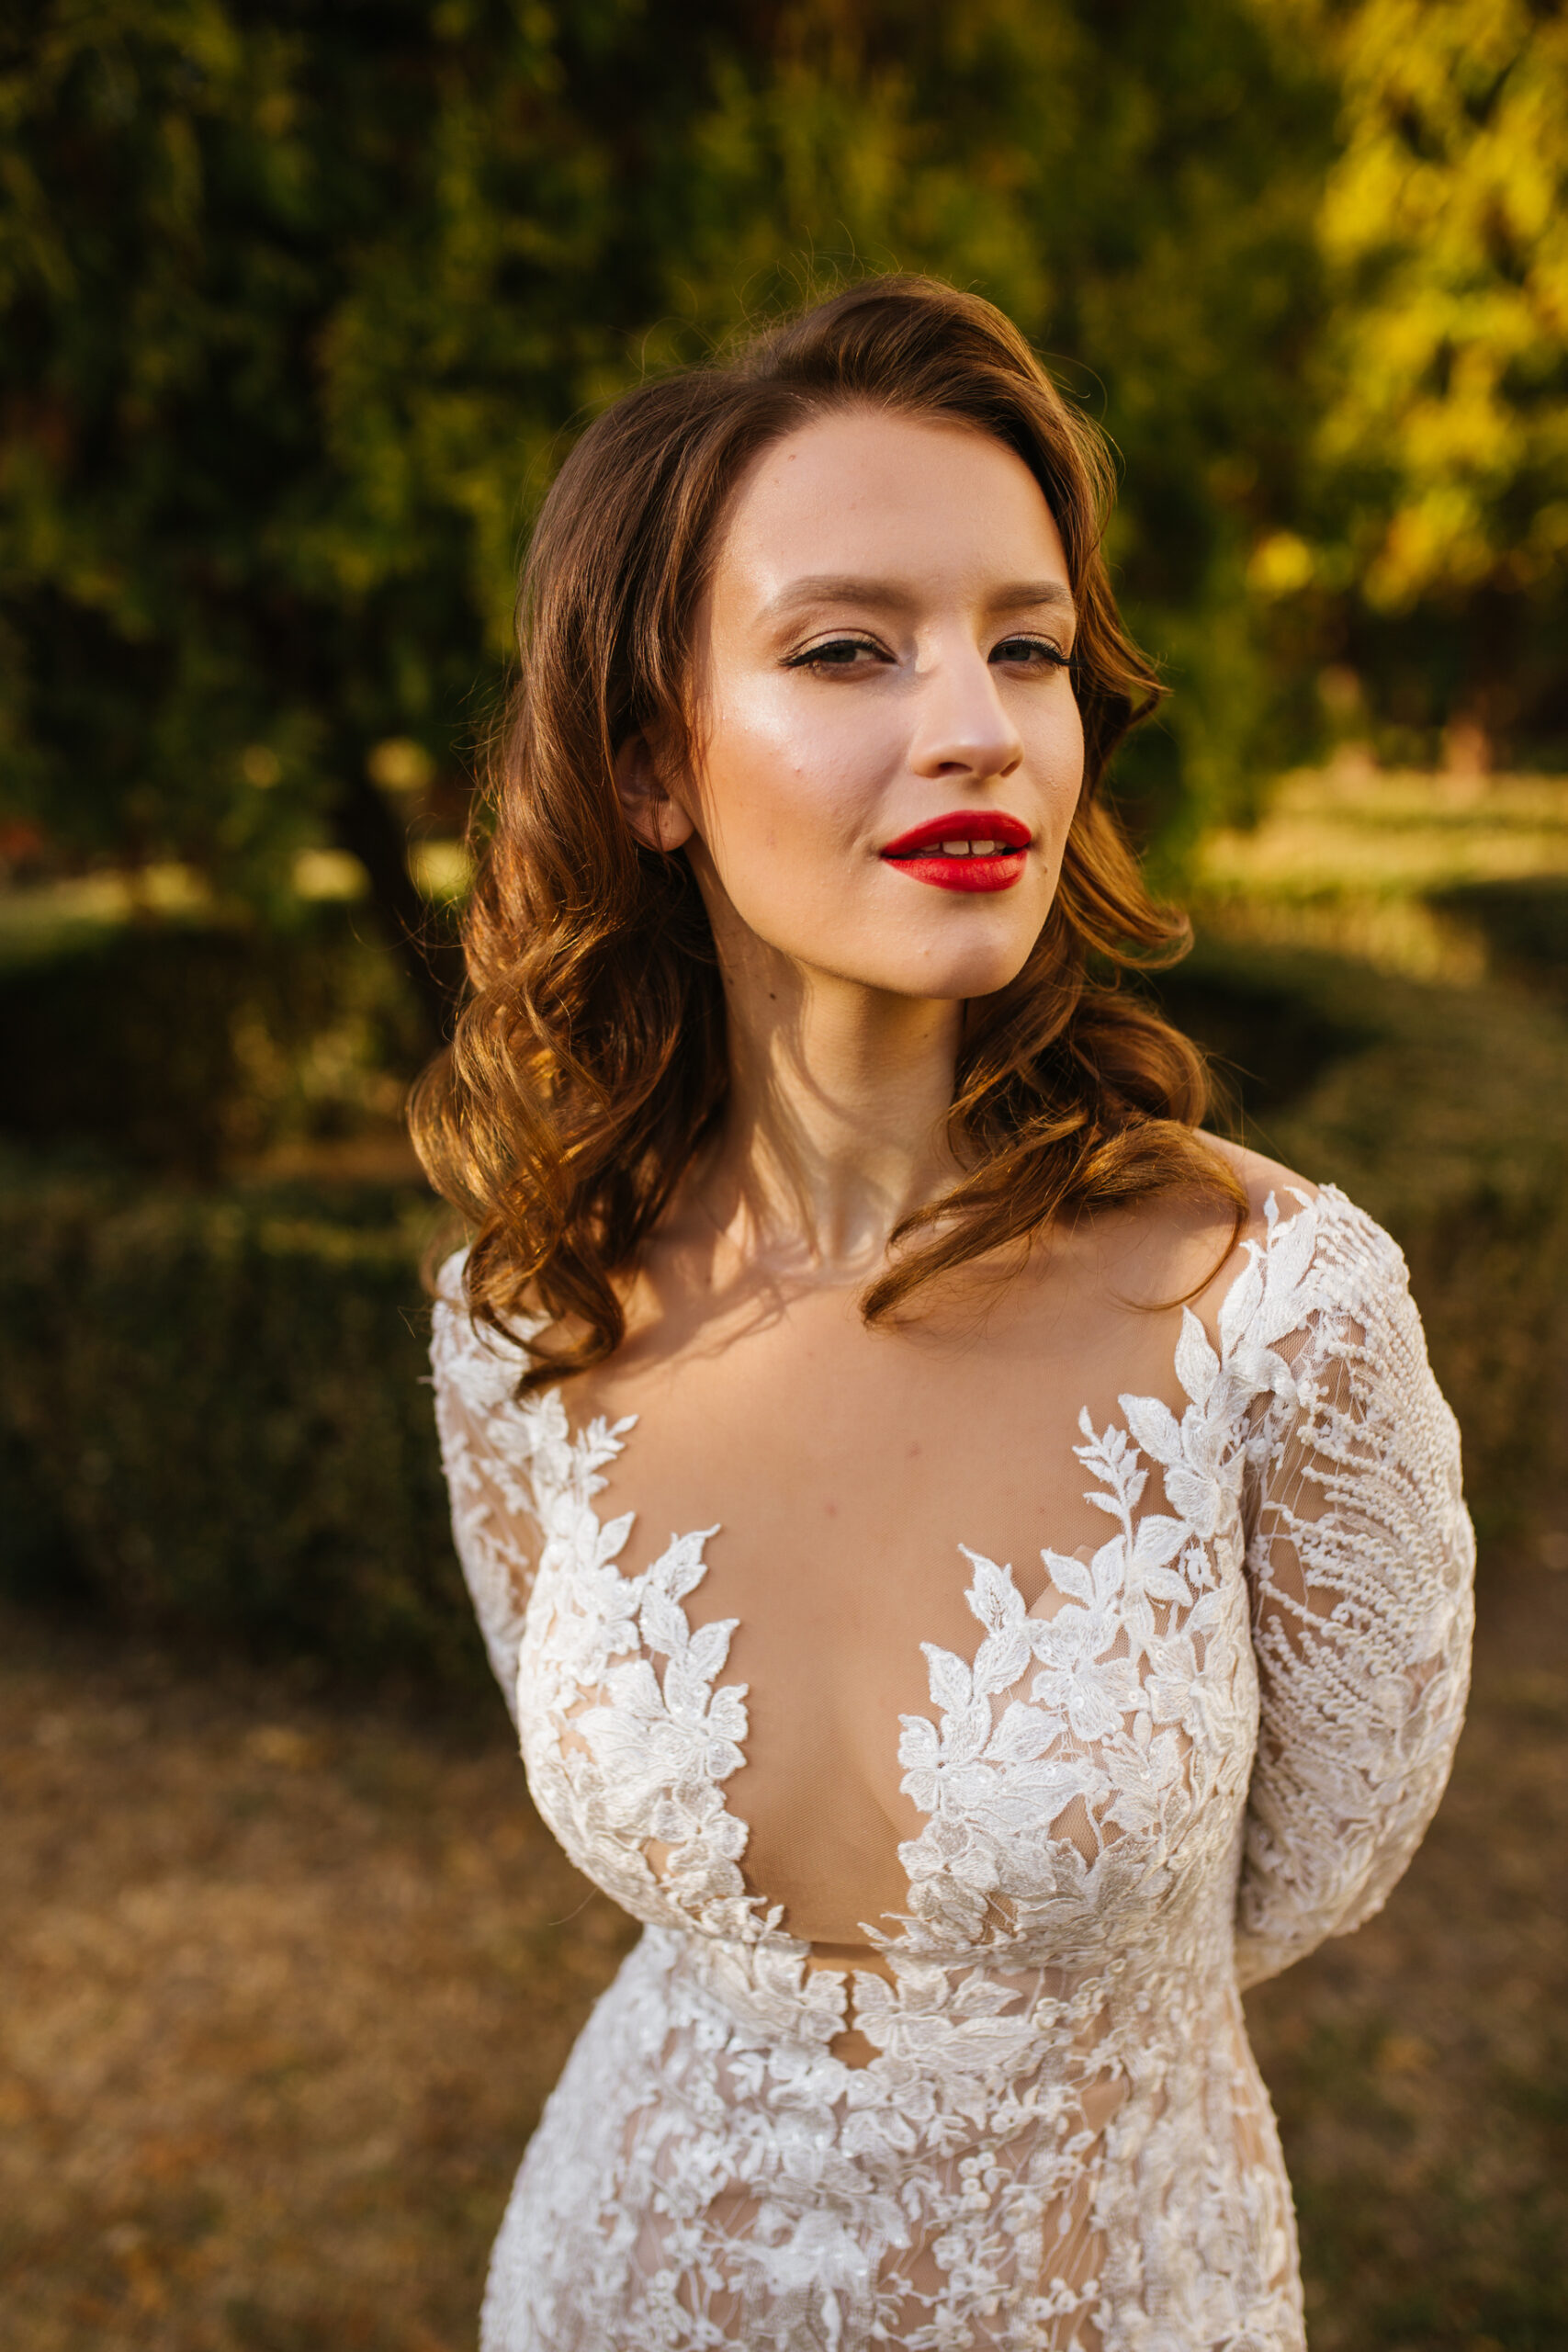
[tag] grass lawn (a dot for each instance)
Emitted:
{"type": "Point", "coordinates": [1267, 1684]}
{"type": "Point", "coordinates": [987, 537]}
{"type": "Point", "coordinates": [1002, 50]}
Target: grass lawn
{"type": "Point", "coordinates": [287, 1981]}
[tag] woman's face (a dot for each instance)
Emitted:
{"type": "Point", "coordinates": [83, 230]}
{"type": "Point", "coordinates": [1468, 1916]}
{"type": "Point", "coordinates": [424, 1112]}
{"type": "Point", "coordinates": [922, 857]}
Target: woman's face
{"type": "Point", "coordinates": [889, 748]}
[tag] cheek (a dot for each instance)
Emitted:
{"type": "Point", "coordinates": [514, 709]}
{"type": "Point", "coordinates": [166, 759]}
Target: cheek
{"type": "Point", "coordinates": [778, 788]}
{"type": "Point", "coordinates": [1058, 761]}
{"type": "Point", "coordinates": [1054, 748]}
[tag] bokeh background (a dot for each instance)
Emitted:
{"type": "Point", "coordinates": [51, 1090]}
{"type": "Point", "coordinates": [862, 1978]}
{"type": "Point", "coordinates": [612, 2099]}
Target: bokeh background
{"type": "Point", "coordinates": [300, 304]}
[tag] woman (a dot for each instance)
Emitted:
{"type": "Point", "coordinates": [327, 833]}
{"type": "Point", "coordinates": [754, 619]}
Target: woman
{"type": "Point", "coordinates": [977, 1566]}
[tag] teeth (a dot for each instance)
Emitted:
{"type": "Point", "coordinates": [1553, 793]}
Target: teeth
{"type": "Point", "coordinates": [981, 849]}
{"type": "Point", "coordinates": [955, 849]}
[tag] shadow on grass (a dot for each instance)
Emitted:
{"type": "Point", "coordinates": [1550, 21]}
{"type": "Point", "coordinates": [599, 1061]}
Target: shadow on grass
{"type": "Point", "coordinates": [1268, 1039]}
{"type": "Point", "coordinates": [1524, 922]}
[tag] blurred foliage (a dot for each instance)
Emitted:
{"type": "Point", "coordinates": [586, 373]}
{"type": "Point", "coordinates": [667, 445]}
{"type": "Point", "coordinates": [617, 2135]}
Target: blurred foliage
{"type": "Point", "coordinates": [1429, 556]}
{"type": "Point", "coordinates": [188, 1046]}
{"type": "Point", "coordinates": [301, 305]}
{"type": "Point", "coordinates": [300, 302]}
{"type": "Point", "coordinates": [1444, 222]}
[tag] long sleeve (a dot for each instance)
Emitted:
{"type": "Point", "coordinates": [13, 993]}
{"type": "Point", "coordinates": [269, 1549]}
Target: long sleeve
{"type": "Point", "coordinates": [1360, 1560]}
{"type": "Point", "coordinates": [487, 1444]}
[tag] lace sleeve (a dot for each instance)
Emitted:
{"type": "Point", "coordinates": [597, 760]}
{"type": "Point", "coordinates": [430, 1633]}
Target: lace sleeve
{"type": "Point", "coordinates": [1360, 1560]}
{"type": "Point", "coordinates": [487, 1444]}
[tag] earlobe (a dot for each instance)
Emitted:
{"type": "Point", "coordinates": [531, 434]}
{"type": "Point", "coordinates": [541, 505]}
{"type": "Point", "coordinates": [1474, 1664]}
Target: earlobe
{"type": "Point", "coordinates": [657, 822]}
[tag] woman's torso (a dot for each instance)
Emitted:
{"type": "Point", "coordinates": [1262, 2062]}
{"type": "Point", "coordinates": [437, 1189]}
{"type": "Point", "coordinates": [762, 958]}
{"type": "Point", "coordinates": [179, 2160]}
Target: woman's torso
{"type": "Point", "coordinates": [908, 1685]}
{"type": "Point", "coordinates": [946, 2043]}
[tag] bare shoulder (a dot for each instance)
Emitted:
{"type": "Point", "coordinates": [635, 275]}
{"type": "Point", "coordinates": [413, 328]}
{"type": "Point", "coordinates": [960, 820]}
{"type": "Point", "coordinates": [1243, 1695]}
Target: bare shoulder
{"type": "Point", "coordinates": [1184, 1244]}
{"type": "Point", "coordinates": [1264, 1180]}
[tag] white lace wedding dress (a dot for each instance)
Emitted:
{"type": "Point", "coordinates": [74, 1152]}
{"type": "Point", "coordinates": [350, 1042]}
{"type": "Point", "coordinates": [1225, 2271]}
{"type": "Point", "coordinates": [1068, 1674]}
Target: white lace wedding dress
{"type": "Point", "coordinates": [1061, 2141]}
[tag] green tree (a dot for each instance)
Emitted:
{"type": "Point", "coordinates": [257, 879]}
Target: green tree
{"type": "Point", "coordinates": [300, 302]}
{"type": "Point", "coordinates": [1433, 547]}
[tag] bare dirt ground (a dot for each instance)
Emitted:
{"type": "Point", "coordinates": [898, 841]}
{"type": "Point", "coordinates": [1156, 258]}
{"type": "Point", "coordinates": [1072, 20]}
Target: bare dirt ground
{"type": "Point", "coordinates": [286, 1981]}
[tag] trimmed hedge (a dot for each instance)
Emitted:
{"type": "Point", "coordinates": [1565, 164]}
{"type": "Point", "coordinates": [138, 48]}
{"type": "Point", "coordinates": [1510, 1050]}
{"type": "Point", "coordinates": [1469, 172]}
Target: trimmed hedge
{"type": "Point", "coordinates": [213, 1403]}
{"type": "Point", "coordinates": [179, 1046]}
{"type": "Point", "coordinates": [220, 1400]}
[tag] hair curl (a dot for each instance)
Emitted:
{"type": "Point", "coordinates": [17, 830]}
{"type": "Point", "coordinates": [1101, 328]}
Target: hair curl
{"type": "Point", "coordinates": [590, 1060]}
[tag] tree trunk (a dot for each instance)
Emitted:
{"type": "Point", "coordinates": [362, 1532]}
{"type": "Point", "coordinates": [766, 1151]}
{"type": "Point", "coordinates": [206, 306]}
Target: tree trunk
{"type": "Point", "coordinates": [367, 828]}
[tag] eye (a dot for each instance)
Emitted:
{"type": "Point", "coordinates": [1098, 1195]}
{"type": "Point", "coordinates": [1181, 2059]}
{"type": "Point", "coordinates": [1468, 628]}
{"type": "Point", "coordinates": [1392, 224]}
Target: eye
{"type": "Point", "coordinates": [1031, 653]}
{"type": "Point", "coordinates": [837, 653]}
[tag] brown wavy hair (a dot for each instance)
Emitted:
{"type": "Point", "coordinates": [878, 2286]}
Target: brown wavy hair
{"type": "Point", "coordinates": [589, 1062]}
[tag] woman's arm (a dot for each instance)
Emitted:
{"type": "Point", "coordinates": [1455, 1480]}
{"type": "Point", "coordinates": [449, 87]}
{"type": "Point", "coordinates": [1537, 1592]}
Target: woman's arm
{"type": "Point", "coordinates": [1360, 1561]}
{"type": "Point", "coordinates": [487, 1442]}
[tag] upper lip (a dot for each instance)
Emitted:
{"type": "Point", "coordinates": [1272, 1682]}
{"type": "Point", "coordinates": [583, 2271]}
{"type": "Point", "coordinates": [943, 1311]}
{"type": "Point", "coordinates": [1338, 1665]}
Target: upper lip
{"type": "Point", "coordinates": [962, 825]}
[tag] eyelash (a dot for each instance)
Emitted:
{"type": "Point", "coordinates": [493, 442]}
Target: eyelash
{"type": "Point", "coordinates": [1054, 657]}
{"type": "Point", "coordinates": [814, 656]}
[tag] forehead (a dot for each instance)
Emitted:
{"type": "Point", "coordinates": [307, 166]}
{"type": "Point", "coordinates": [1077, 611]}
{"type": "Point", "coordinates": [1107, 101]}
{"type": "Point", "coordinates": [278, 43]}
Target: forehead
{"type": "Point", "coordinates": [866, 493]}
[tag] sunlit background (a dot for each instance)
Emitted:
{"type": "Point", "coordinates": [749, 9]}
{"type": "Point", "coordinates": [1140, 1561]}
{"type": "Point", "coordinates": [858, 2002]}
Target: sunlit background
{"type": "Point", "coordinates": [300, 305]}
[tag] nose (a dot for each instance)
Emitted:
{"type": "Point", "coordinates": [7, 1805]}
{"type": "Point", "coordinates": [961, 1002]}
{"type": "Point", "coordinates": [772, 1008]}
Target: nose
{"type": "Point", "coordinates": [964, 728]}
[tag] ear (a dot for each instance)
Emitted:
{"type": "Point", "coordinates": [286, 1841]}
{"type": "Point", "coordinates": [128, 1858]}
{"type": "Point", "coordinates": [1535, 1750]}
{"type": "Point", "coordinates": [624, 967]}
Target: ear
{"type": "Point", "coordinates": [657, 822]}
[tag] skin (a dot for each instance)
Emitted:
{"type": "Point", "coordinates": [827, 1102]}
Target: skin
{"type": "Point", "coordinates": [884, 642]}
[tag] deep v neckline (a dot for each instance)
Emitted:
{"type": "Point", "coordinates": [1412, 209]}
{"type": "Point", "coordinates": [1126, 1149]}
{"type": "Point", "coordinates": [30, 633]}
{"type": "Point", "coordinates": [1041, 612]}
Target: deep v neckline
{"type": "Point", "coordinates": [1092, 1655]}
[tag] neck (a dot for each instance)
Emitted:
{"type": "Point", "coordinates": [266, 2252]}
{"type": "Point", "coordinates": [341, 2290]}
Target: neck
{"type": "Point", "coordinates": [835, 1128]}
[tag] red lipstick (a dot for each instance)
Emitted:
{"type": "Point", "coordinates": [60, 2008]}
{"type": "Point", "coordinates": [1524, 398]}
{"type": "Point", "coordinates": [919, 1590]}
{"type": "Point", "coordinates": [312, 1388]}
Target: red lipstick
{"type": "Point", "coordinates": [969, 849]}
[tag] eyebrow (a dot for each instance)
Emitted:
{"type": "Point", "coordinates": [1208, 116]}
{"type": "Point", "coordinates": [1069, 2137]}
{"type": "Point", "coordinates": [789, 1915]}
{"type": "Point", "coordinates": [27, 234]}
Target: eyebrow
{"type": "Point", "coordinates": [839, 588]}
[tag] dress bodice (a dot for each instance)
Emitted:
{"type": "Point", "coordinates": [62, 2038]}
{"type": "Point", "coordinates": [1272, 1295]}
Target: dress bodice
{"type": "Point", "coordinates": [1213, 1740]}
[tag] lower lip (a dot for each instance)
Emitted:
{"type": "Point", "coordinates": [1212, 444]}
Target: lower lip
{"type": "Point", "coordinates": [963, 872]}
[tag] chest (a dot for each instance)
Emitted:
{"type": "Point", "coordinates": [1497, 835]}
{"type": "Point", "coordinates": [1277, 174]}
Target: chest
{"type": "Point", "coordinates": [845, 1635]}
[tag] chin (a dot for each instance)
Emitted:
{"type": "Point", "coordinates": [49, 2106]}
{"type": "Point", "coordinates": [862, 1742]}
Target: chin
{"type": "Point", "coordinates": [965, 960]}
{"type": "Point", "coordinates": [953, 977]}
{"type": "Point", "coordinates": [950, 954]}
{"type": "Point", "coordinates": [975, 980]}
